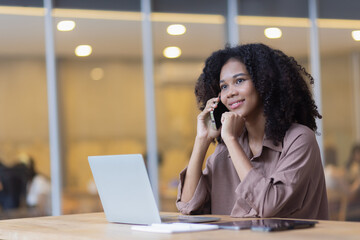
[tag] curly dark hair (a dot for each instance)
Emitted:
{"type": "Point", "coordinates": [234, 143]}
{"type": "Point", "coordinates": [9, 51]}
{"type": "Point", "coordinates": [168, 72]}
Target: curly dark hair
{"type": "Point", "coordinates": [279, 80]}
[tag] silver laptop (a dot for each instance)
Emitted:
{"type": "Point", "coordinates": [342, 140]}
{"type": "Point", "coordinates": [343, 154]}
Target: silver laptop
{"type": "Point", "coordinates": [125, 191]}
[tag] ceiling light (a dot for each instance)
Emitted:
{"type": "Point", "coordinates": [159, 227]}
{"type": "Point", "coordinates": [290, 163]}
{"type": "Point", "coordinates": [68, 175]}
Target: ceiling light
{"type": "Point", "coordinates": [65, 26]}
{"type": "Point", "coordinates": [83, 50]}
{"type": "Point", "coordinates": [172, 52]}
{"type": "Point", "coordinates": [176, 29]}
{"type": "Point", "coordinates": [356, 35]}
{"type": "Point", "coordinates": [97, 74]}
{"type": "Point", "coordinates": [273, 33]}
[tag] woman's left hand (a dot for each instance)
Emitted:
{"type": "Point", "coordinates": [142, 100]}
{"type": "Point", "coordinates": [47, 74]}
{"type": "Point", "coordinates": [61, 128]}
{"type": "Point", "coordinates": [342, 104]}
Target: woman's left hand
{"type": "Point", "coordinates": [232, 125]}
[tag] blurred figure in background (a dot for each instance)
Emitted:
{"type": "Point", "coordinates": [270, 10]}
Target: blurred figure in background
{"type": "Point", "coordinates": [6, 196]}
{"type": "Point", "coordinates": [334, 174]}
{"type": "Point", "coordinates": [336, 185]}
{"type": "Point", "coordinates": [13, 181]}
{"type": "Point", "coordinates": [353, 168]}
{"type": "Point", "coordinates": [38, 195]}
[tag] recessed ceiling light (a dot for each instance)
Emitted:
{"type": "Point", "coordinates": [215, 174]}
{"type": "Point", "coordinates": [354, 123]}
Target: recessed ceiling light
{"type": "Point", "coordinates": [83, 50]}
{"type": "Point", "coordinates": [273, 33]}
{"type": "Point", "coordinates": [176, 29]}
{"type": "Point", "coordinates": [172, 52]}
{"type": "Point", "coordinates": [65, 26]}
{"type": "Point", "coordinates": [356, 35]}
{"type": "Point", "coordinates": [97, 74]}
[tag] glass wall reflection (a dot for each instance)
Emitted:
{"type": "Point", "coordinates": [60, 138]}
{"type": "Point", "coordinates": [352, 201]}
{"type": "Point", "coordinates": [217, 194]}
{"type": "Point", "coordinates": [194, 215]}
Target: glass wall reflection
{"type": "Point", "coordinates": [340, 73]}
{"type": "Point", "coordinates": [101, 96]}
{"type": "Point", "coordinates": [24, 141]}
{"type": "Point", "coordinates": [175, 99]}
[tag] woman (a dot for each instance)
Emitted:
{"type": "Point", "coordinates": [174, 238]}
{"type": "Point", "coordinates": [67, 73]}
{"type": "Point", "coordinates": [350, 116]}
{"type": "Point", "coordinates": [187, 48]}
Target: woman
{"type": "Point", "coordinates": [267, 162]}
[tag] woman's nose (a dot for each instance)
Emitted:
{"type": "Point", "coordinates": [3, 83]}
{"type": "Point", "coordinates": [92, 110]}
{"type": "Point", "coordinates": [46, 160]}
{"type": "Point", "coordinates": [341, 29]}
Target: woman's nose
{"type": "Point", "coordinates": [232, 91]}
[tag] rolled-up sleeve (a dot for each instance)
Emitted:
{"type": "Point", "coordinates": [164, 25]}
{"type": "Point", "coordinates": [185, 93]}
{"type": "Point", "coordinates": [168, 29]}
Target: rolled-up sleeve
{"type": "Point", "coordinates": [283, 192]}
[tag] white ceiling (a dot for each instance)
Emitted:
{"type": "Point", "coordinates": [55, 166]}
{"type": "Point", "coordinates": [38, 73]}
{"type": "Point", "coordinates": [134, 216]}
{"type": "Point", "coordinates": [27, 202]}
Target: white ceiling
{"type": "Point", "coordinates": [24, 36]}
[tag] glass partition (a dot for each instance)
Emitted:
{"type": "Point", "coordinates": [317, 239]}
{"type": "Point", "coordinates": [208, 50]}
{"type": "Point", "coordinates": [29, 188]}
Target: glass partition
{"type": "Point", "coordinates": [24, 141]}
{"type": "Point", "coordinates": [101, 95]}
{"type": "Point", "coordinates": [340, 93]}
{"type": "Point", "coordinates": [101, 87]}
{"type": "Point", "coordinates": [203, 31]}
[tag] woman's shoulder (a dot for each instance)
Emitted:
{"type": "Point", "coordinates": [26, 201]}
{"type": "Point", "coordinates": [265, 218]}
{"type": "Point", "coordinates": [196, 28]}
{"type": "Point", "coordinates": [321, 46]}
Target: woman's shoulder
{"type": "Point", "coordinates": [299, 132]}
{"type": "Point", "coordinates": [301, 145]}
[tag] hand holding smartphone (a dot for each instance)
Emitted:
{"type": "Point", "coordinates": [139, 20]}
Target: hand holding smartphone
{"type": "Point", "coordinates": [215, 115]}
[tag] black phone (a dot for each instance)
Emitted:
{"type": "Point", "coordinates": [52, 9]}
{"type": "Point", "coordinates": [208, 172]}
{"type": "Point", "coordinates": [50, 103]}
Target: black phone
{"type": "Point", "coordinates": [270, 225]}
{"type": "Point", "coordinates": [216, 115]}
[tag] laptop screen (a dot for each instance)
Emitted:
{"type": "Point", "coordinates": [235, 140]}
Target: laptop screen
{"type": "Point", "coordinates": [124, 189]}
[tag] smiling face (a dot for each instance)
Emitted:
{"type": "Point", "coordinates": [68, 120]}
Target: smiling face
{"type": "Point", "coordinates": [237, 90]}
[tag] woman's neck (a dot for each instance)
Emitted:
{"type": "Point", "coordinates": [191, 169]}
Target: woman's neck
{"type": "Point", "coordinates": [256, 130]}
{"type": "Point", "coordinates": [255, 127]}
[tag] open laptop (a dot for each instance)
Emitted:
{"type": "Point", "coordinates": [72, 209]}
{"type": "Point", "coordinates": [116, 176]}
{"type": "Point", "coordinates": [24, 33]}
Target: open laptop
{"type": "Point", "coordinates": [125, 191]}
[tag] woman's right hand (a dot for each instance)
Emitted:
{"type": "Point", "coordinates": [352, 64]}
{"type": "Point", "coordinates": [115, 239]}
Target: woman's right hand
{"type": "Point", "coordinates": [205, 135]}
{"type": "Point", "coordinates": [204, 127]}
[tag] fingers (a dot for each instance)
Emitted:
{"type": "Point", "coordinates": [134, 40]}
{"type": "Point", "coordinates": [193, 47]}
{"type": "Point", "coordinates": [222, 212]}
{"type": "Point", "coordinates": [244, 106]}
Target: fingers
{"type": "Point", "coordinates": [225, 116]}
{"type": "Point", "coordinates": [232, 125]}
{"type": "Point", "coordinates": [211, 104]}
{"type": "Point", "coordinates": [230, 115]}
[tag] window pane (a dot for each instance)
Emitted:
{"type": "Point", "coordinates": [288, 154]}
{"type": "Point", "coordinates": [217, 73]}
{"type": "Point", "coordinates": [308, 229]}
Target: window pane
{"type": "Point", "coordinates": [101, 96]}
{"type": "Point", "coordinates": [175, 80]}
{"type": "Point", "coordinates": [340, 63]}
{"type": "Point", "coordinates": [23, 108]}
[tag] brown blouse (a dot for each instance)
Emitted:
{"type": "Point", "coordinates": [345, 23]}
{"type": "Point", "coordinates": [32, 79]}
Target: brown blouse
{"type": "Point", "coordinates": [286, 180]}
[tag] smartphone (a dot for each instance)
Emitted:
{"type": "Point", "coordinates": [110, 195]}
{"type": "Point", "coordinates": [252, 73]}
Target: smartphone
{"type": "Point", "coordinates": [216, 115]}
{"type": "Point", "coordinates": [271, 225]}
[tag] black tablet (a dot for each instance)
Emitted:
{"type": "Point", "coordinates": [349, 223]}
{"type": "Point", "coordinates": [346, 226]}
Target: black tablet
{"type": "Point", "coordinates": [266, 225]}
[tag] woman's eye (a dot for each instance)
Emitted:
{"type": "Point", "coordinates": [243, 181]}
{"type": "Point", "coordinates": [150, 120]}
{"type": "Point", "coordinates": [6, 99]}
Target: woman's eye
{"type": "Point", "coordinates": [222, 87]}
{"type": "Point", "coordinates": [240, 80]}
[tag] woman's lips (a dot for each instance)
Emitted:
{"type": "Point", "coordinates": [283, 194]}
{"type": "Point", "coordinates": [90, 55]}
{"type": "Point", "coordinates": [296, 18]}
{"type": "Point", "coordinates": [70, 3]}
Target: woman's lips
{"type": "Point", "coordinates": [236, 104]}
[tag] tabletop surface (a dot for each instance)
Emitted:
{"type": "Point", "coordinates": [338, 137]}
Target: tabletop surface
{"type": "Point", "coordinates": [95, 226]}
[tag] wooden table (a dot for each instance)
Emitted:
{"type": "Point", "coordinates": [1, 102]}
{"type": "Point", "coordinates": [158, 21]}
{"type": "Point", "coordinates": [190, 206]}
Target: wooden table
{"type": "Point", "coordinates": [95, 226]}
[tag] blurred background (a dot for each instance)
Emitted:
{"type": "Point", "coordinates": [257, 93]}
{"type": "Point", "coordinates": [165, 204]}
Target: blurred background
{"type": "Point", "coordinates": [101, 90]}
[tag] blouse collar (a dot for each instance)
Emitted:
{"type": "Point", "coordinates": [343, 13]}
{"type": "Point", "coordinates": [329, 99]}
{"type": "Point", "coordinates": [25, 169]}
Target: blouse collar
{"type": "Point", "coordinates": [267, 142]}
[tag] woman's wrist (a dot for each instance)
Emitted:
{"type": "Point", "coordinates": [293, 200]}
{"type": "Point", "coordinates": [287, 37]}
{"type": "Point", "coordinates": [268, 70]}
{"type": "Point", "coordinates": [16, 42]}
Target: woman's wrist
{"type": "Point", "coordinates": [203, 140]}
{"type": "Point", "coordinates": [229, 139]}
